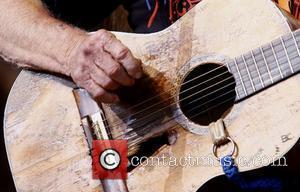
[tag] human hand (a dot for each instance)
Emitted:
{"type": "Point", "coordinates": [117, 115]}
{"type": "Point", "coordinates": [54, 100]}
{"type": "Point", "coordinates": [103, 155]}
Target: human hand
{"type": "Point", "coordinates": [101, 63]}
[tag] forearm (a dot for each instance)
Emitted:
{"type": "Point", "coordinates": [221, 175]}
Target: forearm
{"type": "Point", "coordinates": [31, 38]}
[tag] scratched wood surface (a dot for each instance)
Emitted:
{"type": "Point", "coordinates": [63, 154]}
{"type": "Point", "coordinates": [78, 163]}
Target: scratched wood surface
{"type": "Point", "coordinates": [46, 145]}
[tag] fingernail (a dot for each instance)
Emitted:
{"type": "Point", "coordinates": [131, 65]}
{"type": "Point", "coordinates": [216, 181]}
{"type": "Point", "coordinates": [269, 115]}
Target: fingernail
{"type": "Point", "coordinates": [138, 75]}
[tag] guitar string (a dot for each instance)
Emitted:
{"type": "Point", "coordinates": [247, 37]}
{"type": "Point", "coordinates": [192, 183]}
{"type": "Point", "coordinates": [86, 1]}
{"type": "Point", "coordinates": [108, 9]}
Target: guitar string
{"type": "Point", "coordinates": [166, 107]}
{"type": "Point", "coordinates": [175, 101]}
{"type": "Point", "coordinates": [247, 73]}
{"type": "Point", "coordinates": [171, 97]}
{"type": "Point", "coordinates": [216, 69]}
{"type": "Point", "coordinates": [266, 74]}
{"type": "Point", "coordinates": [113, 125]}
{"type": "Point", "coordinates": [160, 94]}
{"type": "Point", "coordinates": [172, 118]}
{"type": "Point", "coordinates": [192, 109]}
{"type": "Point", "coordinates": [175, 88]}
{"type": "Point", "coordinates": [202, 98]}
{"type": "Point", "coordinates": [275, 57]}
{"type": "Point", "coordinates": [276, 69]}
{"type": "Point", "coordinates": [166, 91]}
{"type": "Point", "coordinates": [141, 139]}
{"type": "Point", "coordinates": [291, 38]}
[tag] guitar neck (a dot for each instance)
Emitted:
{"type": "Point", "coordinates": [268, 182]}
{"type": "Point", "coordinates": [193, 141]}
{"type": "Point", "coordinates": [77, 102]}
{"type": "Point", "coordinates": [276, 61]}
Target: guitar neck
{"type": "Point", "coordinates": [266, 65]}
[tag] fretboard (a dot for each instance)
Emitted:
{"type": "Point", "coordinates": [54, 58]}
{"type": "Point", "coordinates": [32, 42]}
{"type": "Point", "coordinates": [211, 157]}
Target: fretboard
{"type": "Point", "coordinates": [266, 65]}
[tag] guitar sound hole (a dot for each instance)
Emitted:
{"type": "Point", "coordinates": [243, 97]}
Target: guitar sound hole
{"type": "Point", "coordinates": [207, 92]}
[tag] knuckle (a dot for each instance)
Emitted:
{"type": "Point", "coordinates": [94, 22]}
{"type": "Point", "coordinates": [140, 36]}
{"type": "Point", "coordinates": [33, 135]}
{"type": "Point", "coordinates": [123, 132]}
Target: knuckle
{"type": "Point", "coordinates": [99, 60]}
{"type": "Point", "coordinates": [109, 40]}
{"type": "Point", "coordinates": [102, 32]}
{"type": "Point", "coordinates": [90, 46]}
{"type": "Point", "coordinates": [122, 53]}
{"type": "Point", "coordinates": [105, 36]}
{"type": "Point", "coordinates": [107, 83]}
{"type": "Point", "coordinates": [114, 70]}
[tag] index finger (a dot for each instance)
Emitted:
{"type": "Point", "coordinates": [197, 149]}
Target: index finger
{"type": "Point", "coordinates": [124, 56]}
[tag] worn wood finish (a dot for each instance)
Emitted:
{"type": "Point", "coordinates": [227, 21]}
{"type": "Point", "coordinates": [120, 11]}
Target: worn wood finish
{"type": "Point", "coordinates": [46, 145]}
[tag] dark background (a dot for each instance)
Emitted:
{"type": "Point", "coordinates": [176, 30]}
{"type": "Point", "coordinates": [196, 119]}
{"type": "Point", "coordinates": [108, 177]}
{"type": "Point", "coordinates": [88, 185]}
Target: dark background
{"type": "Point", "coordinates": [7, 76]}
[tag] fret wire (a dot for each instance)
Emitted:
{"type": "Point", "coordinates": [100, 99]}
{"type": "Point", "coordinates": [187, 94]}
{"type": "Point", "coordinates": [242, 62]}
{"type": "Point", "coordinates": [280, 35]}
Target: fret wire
{"type": "Point", "coordinates": [266, 64]}
{"type": "Point", "coordinates": [282, 49]}
{"type": "Point", "coordinates": [250, 78]}
{"type": "Point", "coordinates": [287, 55]}
{"type": "Point", "coordinates": [244, 88]}
{"type": "Point", "coordinates": [262, 83]}
{"type": "Point", "coordinates": [237, 93]}
{"type": "Point", "coordinates": [236, 90]}
{"type": "Point", "coordinates": [296, 44]}
{"type": "Point", "coordinates": [275, 56]}
{"type": "Point", "coordinates": [269, 70]}
{"type": "Point", "coordinates": [269, 79]}
{"type": "Point", "coordinates": [227, 65]}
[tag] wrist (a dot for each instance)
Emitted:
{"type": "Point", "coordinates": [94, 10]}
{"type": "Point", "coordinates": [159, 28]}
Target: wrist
{"type": "Point", "coordinates": [70, 51]}
{"type": "Point", "coordinates": [65, 41]}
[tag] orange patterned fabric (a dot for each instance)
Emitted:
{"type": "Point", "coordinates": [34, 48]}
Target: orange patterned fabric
{"type": "Point", "coordinates": [292, 6]}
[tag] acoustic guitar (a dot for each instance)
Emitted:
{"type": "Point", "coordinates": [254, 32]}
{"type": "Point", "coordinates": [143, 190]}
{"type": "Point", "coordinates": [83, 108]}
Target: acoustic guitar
{"type": "Point", "coordinates": [216, 62]}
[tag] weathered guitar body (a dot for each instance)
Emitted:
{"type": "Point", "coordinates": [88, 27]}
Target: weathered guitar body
{"type": "Point", "coordinates": [46, 145]}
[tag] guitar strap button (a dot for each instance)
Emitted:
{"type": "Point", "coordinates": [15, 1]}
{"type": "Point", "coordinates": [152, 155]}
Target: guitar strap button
{"type": "Point", "coordinates": [218, 132]}
{"type": "Point", "coordinates": [220, 137]}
